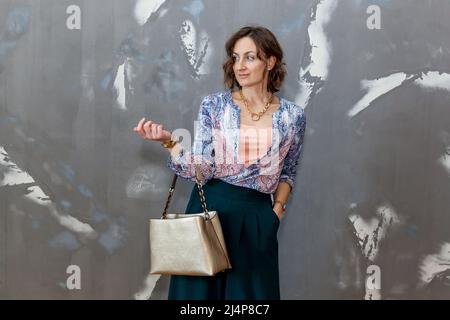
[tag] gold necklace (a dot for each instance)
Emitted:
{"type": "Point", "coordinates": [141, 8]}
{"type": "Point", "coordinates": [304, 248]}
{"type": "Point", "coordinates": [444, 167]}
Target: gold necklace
{"type": "Point", "coordinates": [256, 116]}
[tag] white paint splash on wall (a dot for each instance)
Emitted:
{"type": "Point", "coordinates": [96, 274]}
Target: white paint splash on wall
{"type": "Point", "coordinates": [371, 232]}
{"type": "Point", "coordinates": [434, 264]}
{"type": "Point", "coordinates": [376, 88]}
{"type": "Point", "coordinates": [16, 176]}
{"type": "Point", "coordinates": [163, 12]}
{"type": "Point", "coordinates": [83, 230]}
{"type": "Point", "coordinates": [205, 55]}
{"type": "Point", "coordinates": [434, 80]}
{"type": "Point", "coordinates": [364, 230]}
{"type": "Point", "coordinates": [149, 286]}
{"type": "Point", "coordinates": [13, 174]}
{"type": "Point", "coordinates": [188, 38]}
{"type": "Point", "coordinates": [320, 55]}
{"type": "Point", "coordinates": [145, 8]}
{"type": "Point", "coordinates": [119, 85]}
{"type": "Point", "coordinates": [146, 180]}
{"type": "Point", "coordinates": [126, 74]}
{"type": "Point", "coordinates": [445, 162]}
{"type": "Point", "coordinates": [303, 98]}
{"type": "Point", "coordinates": [381, 86]}
{"type": "Point", "coordinates": [37, 195]}
{"type": "Point", "coordinates": [321, 49]}
{"type": "Point", "coordinates": [197, 48]}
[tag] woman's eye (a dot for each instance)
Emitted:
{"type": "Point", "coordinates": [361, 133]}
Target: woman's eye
{"type": "Point", "coordinates": [248, 58]}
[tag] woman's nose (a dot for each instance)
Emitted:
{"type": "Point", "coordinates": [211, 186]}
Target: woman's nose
{"type": "Point", "coordinates": [241, 64]}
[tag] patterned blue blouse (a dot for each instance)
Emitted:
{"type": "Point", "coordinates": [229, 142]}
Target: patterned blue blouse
{"type": "Point", "coordinates": [216, 145]}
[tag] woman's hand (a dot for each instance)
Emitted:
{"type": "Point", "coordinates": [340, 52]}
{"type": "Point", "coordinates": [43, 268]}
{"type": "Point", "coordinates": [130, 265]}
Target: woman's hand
{"type": "Point", "coordinates": [278, 209]}
{"type": "Point", "coordinates": [150, 130]}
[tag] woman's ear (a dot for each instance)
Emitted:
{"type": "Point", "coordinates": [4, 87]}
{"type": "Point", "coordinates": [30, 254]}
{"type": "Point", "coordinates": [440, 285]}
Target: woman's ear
{"type": "Point", "coordinates": [272, 61]}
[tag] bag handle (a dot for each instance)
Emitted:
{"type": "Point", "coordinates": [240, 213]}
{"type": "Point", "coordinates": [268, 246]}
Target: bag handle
{"type": "Point", "coordinates": [202, 200]}
{"type": "Point", "coordinates": [200, 193]}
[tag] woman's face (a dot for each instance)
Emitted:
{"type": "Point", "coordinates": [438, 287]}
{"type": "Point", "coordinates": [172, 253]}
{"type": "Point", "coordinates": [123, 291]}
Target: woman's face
{"type": "Point", "coordinates": [248, 69]}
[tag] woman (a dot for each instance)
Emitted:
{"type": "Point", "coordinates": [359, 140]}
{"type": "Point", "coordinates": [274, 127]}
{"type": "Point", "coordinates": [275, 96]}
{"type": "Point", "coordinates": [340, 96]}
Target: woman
{"type": "Point", "coordinates": [247, 145]}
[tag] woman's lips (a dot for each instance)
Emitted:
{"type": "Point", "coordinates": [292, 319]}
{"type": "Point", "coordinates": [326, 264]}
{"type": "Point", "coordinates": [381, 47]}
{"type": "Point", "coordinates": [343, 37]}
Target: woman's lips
{"type": "Point", "coordinates": [243, 75]}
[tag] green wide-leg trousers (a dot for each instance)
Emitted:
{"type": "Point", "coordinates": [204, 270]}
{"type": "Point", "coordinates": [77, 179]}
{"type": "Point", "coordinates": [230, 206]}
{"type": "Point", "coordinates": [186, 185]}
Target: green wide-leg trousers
{"type": "Point", "coordinates": [250, 229]}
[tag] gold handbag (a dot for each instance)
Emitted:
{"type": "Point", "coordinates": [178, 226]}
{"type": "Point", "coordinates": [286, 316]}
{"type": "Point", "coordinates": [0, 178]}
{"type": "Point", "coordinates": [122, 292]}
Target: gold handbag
{"type": "Point", "coordinates": [188, 244]}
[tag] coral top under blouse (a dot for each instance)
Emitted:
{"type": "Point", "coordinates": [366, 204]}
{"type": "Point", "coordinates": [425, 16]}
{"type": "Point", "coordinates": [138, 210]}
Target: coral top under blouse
{"type": "Point", "coordinates": [254, 143]}
{"type": "Point", "coordinates": [242, 155]}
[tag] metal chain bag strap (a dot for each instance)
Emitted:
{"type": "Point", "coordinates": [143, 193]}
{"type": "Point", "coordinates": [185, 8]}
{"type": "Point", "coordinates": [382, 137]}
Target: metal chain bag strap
{"type": "Point", "coordinates": [188, 244]}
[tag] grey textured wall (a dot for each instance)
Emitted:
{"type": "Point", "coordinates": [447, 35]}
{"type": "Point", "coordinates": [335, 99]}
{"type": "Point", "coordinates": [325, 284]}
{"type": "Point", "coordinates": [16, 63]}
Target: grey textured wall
{"type": "Point", "coordinates": [369, 218]}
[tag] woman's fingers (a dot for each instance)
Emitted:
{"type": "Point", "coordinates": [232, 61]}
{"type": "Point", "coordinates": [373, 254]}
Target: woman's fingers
{"type": "Point", "coordinates": [139, 128]}
{"type": "Point", "coordinates": [147, 130]}
{"type": "Point", "coordinates": [159, 131]}
{"type": "Point", "coordinates": [153, 130]}
{"type": "Point", "coordinates": [140, 124]}
{"type": "Point", "coordinates": [150, 130]}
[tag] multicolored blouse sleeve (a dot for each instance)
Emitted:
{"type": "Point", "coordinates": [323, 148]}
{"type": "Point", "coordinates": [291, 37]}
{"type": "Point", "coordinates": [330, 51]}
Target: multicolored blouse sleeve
{"type": "Point", "coordinates": [289, 170]}
{"type": "Point", "coordinates": [202, 151]}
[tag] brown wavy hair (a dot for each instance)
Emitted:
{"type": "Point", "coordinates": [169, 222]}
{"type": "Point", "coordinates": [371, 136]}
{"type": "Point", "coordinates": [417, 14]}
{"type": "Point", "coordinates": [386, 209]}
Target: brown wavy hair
{"type": "Point", "coordinates": [267, 45]}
